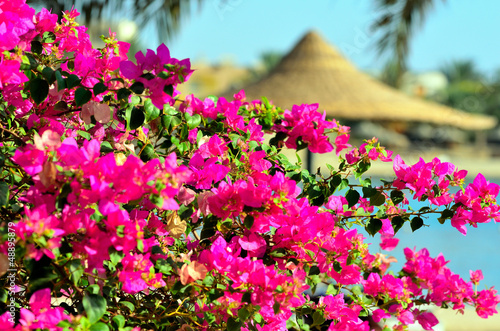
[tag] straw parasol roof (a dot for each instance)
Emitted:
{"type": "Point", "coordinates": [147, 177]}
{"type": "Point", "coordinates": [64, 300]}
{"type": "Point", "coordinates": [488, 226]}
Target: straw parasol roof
{"type": "Point", "coordinates": [315, 72]}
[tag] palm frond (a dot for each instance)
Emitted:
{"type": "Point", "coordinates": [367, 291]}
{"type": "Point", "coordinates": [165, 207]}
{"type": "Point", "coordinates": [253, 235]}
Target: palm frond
{"type": "Point", "coordinates": [167, 15]}
{"type": "Point", "coordinates": [398, 20]}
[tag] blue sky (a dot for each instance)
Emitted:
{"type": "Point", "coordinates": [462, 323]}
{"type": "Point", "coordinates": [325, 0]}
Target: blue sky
{"type": "Point", "coordinates": [243, 29]}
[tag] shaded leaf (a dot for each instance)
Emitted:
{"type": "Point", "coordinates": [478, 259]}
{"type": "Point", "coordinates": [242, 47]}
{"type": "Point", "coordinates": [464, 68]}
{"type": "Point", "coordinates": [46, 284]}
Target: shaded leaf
{"type": "Point", "coordinates": [248, 223]}
{"type": "Point", "coordinates": [373, 226]}
{"type": "Point", "coordinates": [136, 118]}
{"type": "Point", "coordinates": [233, 324]}
{"type": "Point", "coordinates": [377, 199]}
{"type": "Point", "coordinates": [397, 222]}
{"type": "Point", "coordinates": [61, 83]}
{"type": "Point", "coordinates": [352, 197]}
{"type": "Point", "coordinates": [99, 327]}
{"type": "Point", "coordinates": [397, 196]}
{"type": "Point", "coordinates": [72, 81]}
{"type": "Point", "coordinates": [36, 47]}
{"type": "Point", "coordinates": [49, 75]}
{"type": "Point", "coordinates": [243, 314]}
{"type": "Point", "coordinates": [137, 87]}
{"type": "Point", "coordinates": [39, 90]}
{"type": "Point", "coordinates": [99, 88]}
{"type": "Point", "coordinates": [95, 307]}
{"type": "Point", "coordinates": [151, 111]}
{"type": "Point", "coordinates": [82, 96]}
{"type": "Point", "coordinates": [4, 194]}
{"type": "Point", "coordinates": [148, 153]}
{"type": "Point", "coordinates": [169, 89]}
{"type": "Point", "coordinates": [416, 223]}
{"type": "Point", "coordinates": [123, 94]}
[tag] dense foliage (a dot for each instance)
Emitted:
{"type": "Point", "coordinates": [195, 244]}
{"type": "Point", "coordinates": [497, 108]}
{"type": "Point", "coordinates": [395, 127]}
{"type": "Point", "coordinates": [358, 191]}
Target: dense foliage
{"type": "Point", "coordinates": [125, 207]}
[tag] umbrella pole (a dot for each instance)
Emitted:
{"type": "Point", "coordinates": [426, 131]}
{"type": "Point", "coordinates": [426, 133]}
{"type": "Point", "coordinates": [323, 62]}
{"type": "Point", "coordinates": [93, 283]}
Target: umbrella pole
{"type": "Point", "coordinates": [309, 160]}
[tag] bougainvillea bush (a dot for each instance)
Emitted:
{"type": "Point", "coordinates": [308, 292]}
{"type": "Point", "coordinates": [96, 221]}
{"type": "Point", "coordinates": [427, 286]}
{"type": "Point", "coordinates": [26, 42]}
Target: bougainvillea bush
{"type": "Point", "coordinates": [126, 207]}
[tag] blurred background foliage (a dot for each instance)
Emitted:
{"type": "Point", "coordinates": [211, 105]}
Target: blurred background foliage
{"type": "Point", "coordinates": [396, 23]}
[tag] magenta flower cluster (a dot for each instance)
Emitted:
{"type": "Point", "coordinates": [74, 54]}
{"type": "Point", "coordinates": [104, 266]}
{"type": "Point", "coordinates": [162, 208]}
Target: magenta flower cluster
{"type": "Point", "coordinates": [136, 208]}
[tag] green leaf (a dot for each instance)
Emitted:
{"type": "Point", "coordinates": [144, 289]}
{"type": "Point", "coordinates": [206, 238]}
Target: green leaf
{"type": "Point", "coordinates": [48, 37]}
{"type": "Point", "coordinates": [127, 304]}
{"type": "Point", "coordinates": [362, 168]}
{"type": "Point", "coordinates": [95, 307]}
{"type": "Point", "coordinates": [119, 321]}
{"type": "Point", "coordinates": [99, 88]}
{"type": "Point", "coordinates": [75, 270]}
{"type": "Point", "coordinates": [210, 318]}
{"type": "Point", "coordinates": [99, 327]}
{"type": "Point", "coordinates": [82, 96]}
{"type": "Point", "coordinates": [335, 182]}
{"type": "Point", "coordinates": [61, 83]}
{"type": "Point", "coordinates": [318, 318]}
{"type": "Point", "coordinates": [93, 289]}
{"type": "Point", "coordinates": [39, 90]}
{"type": "Point", "coordinates": [373, 226]}
{"type": "Point", "coordinates": [365, 182]}
{"type": "Point", "coordinates": [136, 118]}
{"type": "Point", "coordinates": [213, 98]}
{"type": "Point", "coordinates": [397, 222]}
{"type": "Point", "coordinates": [175, 122]}
{"type": "Point", "coordinates": [148, 76]}
{"type": "Point", "coordinates": [73, 81]}
{"type": "Point", "coordinates": [49, 75]}
{"type": "Point", "coordinates": [416, 223]}
{"type": "Point", "coordinates": [243, 314]}
{"type": "Point", "coordinates": [151, 111]}
{"type": "Point", "coordinates": [193, 121]}
{"type": "Point", "coordinates": [163, 266]}
{"type": "Point", "coordinates": [106, 147]}
{"type": "Point", "coordinates": [169, 110]}
{"type": "Point", "coordinates": [377, 199]}
{"type": "Point", "coordinates": [164, 75]}
{"type": "Point", "coordinates": [148, 153]}
{"type": "Point", "coordinates": [4, 194]}
{"type": "Point", "coordinates": [276, 307]}
{"type": "Point", "coordinates": [137, 87]}
{"type": "Point", "coordinates": [343, 184]}
{"type": "Point", "coordinates": [165, 121]}
{"type": "Point", "coordinates": [352, 197]}
{"type": "Point", "coordinates": [397, 196]}
{"type": "Point", "coordinates": [84, 134]}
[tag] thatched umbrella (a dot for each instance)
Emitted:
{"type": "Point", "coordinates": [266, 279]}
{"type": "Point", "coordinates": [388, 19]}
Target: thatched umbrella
{"type": "Point", "coordinates": [315, 72]}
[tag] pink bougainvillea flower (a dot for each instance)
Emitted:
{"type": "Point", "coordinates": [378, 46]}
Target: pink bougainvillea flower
{"type": "Point", "coordinates": [476, 276]}
{"type": "Point", "coordinates": [427, 320]}
{"type": "Point", "coordinates": [254, 244]}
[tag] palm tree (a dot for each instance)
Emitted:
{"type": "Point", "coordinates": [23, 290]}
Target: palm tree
{"type": "Point", "coordinates": [167, 14]}
{"type": "Point", "coordinates": [397, 21]}
{"type": "Point", "coordinates": [461, 70]}
{"type": "Point", "coordinates": [397, 18]}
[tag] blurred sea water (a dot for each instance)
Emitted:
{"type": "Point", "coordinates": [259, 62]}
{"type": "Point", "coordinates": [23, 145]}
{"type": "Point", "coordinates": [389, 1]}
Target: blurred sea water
{"type": "Point", "coordinates": [479, 249]}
